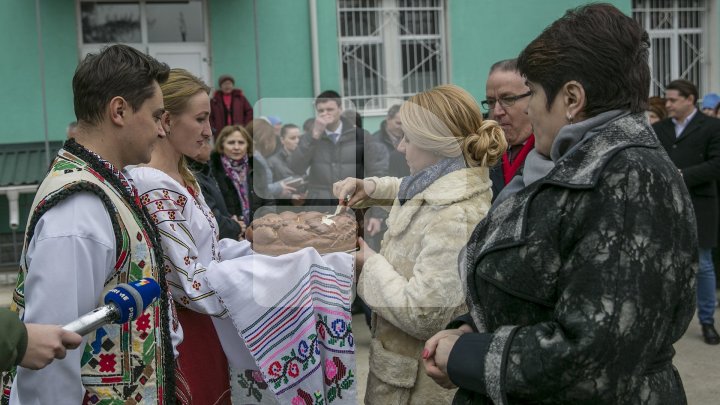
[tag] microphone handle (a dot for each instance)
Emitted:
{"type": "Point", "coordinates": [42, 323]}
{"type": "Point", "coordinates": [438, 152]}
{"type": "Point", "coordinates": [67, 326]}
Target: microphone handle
{"type": "Point", "coordinates": [93, 320]}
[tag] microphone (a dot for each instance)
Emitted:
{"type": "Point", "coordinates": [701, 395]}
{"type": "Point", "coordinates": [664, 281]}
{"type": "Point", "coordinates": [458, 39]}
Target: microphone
{"type": "Point", "coordinates": [123, 303]}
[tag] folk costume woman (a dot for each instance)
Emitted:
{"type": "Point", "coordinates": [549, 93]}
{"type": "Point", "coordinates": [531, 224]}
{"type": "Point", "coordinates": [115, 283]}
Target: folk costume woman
{"type": "Point", "coordinates": [579, 284]}
{"type": "Point", "coordinates": [189, 236]}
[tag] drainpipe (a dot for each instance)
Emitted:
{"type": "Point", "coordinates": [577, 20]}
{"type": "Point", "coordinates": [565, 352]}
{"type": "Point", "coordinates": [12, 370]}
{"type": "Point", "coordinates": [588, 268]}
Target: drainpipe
{"type": "Point", "coordinates": [13, 196]}
{"type": "Point", "coordinates": [41, 60]}
{"type": "Point", "coordinates": [314, 43]}
{"type": "Point", "coordinates": [257, 56]}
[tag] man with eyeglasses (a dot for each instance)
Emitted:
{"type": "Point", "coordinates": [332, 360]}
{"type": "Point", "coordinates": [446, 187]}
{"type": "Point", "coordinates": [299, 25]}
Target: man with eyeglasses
{"type": "Point", "coordinates": [506, 101]}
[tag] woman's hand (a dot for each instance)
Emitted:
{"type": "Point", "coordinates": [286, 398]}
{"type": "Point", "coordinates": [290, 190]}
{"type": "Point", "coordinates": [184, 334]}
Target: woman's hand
{"type": "Point", "coordinates": [437, 351]}
{"type": "Point", "coordinates": [287, 191]}
{"type": "Point", "coordinates": [361, 256]}
{"type": "Point", "coordinates": [372, 225]}
{"type": "Point", "coordinates": [357, 189]}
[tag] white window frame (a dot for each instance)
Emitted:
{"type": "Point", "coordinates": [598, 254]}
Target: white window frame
{"type": "Point", "coordinates": [389, 35]}
{"type": "Point", "coordinates": [672, 60]}
{"type": "Point", "coordinates": [152, 48]}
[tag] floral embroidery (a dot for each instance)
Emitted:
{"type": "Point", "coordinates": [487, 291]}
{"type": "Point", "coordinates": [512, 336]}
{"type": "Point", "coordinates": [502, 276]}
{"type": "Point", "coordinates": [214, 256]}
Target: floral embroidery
{"type": "Point", "coordinates": [275, 369]}
{"type": "Point", "coordinates": [196, 285]}
{"type": "Point", "coordinates": [304, 398]}
{"type": "Point", "coordinates": [159, 205]}
{"type": "Point", "coordinates": [335, 377]}
{"type": "Point", "coordinates": [181, 200]}
{"type": "Point", "coordinates": [142, 323]}
{"type": "Point", "coordinates": [107, 363]}
{"type": "Point", "coordinates": [186, 259]}
{"type": "Point", "coordinates": [336, 374]}
{"type": "Point", "coordinates": [185, 300]}
{"type": "Point", "coordinates": [253, 381]}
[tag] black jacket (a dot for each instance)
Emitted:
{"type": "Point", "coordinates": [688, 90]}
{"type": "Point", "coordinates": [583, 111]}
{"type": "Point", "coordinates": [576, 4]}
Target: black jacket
{"type": "Point", "coordinates": [354, 155]}
{"type": "Point", "coordinates": [697, 154]}
{"type": "Point", "coordinates": [228, 227]}
{"type": "Point", "coordinates": [397, 165]}
{"type": "Point", "coordinates": [257, 179]}
{"type": "Point", "coordinates": [582, 282]}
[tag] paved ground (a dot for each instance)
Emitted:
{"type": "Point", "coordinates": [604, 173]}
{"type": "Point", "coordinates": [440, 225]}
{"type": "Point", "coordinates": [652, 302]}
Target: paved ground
{"type": "Point", "coordinates": [698, 363]}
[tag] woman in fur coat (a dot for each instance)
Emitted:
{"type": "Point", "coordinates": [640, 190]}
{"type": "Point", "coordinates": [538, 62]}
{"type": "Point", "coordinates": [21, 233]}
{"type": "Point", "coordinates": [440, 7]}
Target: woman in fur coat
{"type": "Point", "coordinates": [411, 285]}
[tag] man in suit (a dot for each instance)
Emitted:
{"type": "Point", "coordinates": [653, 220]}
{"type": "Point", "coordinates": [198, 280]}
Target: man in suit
{"type": "Point", "coordinates": [692, 139]}
{"type": "Point", "coordinates": [506, 99]}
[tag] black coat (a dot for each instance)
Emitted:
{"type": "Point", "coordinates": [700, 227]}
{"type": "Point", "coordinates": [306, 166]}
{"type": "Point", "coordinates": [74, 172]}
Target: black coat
{"type": "Point", "coordinates": [354, 155]}
{"type": "Point", "coordinates": [257, 179]}
{"type": "Point", "coordinates": [397, 165]}
{"type": "Point", "coordinates": [697, 154]}
{"type": "Point", "coordinates": [582, 282]}
{"type": "Point", "coordinates": [228, 227]}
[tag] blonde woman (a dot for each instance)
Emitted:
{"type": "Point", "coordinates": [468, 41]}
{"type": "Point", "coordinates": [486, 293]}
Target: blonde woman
{"type": "Point", "coordinates": [189, 237]}
{"type": "Point", "coordinates": [412, 284]}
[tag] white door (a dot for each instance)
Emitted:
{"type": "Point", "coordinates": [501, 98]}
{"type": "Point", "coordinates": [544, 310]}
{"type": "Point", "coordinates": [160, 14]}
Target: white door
{"type": "Point", "coordinates": [191, 58]}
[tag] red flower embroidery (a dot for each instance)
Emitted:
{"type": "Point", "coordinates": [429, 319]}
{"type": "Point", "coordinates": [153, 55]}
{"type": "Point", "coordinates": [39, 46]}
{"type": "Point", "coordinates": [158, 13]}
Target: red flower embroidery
{"type": "Point", "coordinates": [154, 218]}
{"type": "Point", "coordinates": [275, 369]}
{"type": "Point", "coordinates": [145, 199]}
{"type": "Point", "coordinates": [159, 205]}
{"type": "Point", "coordinates": [293, 370]}
{"type": "Point", "coordinates": [171, 214]}
{"type": "Point", "coordinates": [196, 285]}
{"type": "Point", "coordinates": [185, 300]}
{"type": "Point", "coordinates": [186, 259]}
{"type": "Point", "coordinates": [107, 363]}
{"type": "Point", "coordinates": [143, 322]}
{"type": "Point", "coordinates": [166, 194]}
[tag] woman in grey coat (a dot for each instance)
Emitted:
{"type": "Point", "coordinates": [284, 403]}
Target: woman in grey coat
{"type": "Point", "coordinates": [580, 283]}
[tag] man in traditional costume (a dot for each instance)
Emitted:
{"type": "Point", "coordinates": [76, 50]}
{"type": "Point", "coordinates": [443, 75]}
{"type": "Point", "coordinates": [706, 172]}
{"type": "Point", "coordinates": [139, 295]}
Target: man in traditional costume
{"type": "Point", "coordinates": [87, 232]}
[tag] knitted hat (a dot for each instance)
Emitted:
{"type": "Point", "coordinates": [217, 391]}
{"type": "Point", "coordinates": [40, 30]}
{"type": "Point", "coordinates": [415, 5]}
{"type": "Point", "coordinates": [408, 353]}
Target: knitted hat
{"type": "Point", "coordinates": [224, 78]}
{"type": "Point", "coordinates": [710, 101]}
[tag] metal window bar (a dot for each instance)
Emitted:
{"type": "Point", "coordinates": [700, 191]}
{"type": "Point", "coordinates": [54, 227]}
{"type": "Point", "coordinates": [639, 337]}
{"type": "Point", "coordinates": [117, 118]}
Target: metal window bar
{"type": "Point", "coordinates": [390, 49]}
{"type": "Point", "coordinates": [677, 30]}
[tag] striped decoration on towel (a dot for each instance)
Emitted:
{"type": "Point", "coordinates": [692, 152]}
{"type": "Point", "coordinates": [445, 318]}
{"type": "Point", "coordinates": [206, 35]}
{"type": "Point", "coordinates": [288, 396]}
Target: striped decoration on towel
{"type": "Point", "coordinates": [293, 313]}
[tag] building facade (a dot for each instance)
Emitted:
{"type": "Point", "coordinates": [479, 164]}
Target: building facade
{"type": "Point", "coordinates": [284, 52]}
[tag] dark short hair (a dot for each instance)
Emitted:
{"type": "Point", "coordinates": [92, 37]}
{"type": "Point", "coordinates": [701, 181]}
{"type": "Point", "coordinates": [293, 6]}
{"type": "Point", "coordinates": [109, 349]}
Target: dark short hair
{"type": "Point", "coordinates": [328, 95]}
{"type": "Point", "coordinates": [685, 88]}
{"type": "Point", "coordinates": [308, 124]}
{"type": "Point", "coordinates": [118, 70]}
{"type": "Point", "coordinates": [393, 111]}
{"type": "Point", "coordinates": [505, 65]}
{"type": "Point", "coordinates": [285, 128]}
{"type": "Point", "coordinates": [601, 48]}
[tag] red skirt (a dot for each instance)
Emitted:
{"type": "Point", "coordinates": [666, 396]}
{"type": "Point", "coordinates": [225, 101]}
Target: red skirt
{"type": "Point", "coordinates": [202, 362]}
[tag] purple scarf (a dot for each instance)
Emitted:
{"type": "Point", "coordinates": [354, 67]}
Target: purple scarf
{"type": "Point", "coordinates": [237, 171]}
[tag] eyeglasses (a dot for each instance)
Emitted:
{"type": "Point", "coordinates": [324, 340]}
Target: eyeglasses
{"type": "Point", "coordinates": [505, 102]}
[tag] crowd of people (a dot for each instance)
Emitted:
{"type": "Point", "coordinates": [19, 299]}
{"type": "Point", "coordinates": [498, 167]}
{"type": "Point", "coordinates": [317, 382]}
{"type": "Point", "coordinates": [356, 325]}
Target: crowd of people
{"type": "Point", "coordinates": [512, 256]}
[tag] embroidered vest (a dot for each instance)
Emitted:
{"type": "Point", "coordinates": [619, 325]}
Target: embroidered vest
{"type": "Point", "coordinates": [120, 363]}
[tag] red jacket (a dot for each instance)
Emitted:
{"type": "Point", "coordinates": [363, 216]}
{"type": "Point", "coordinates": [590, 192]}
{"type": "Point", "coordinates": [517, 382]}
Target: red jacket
{"type": "Point", "coordinates": [240, 110]}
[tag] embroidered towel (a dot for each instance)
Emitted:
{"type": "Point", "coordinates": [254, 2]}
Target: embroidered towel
{"type": "Point", "coordinates": [293, 312]}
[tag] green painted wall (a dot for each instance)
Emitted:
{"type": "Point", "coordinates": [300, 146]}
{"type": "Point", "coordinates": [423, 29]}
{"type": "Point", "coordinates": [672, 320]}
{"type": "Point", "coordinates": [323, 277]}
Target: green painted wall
{"type": "Point", "coordinates": [483, 32]}
{"type": "Point", "coordinates": [284, 86]}
{"type": "Point", "coordinates": [22, 100]}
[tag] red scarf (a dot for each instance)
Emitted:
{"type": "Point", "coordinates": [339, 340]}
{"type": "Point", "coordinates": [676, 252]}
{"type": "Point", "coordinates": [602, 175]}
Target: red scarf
{"type": "Point", "coordinates": [509, 169]}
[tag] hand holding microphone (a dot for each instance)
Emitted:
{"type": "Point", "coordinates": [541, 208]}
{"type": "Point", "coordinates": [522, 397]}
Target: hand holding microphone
{"type": "Point", "coordinates": [123, 303]}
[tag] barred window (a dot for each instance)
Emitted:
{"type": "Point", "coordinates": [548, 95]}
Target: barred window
{"type": "Point", "coordinates": [678, 32]}
{"type": "Point", "coordinates": [390, 50]}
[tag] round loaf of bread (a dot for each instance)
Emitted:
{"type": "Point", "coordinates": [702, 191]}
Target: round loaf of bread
{"type": "Point", "coordinates": [286, 232]}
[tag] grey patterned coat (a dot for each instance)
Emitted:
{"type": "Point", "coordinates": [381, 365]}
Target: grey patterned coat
{"type": "Point", "coordinates": [584, 280]}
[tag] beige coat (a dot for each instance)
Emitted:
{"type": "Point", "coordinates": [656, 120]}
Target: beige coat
{"type": "Point", "coordinates": [413, 286]}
